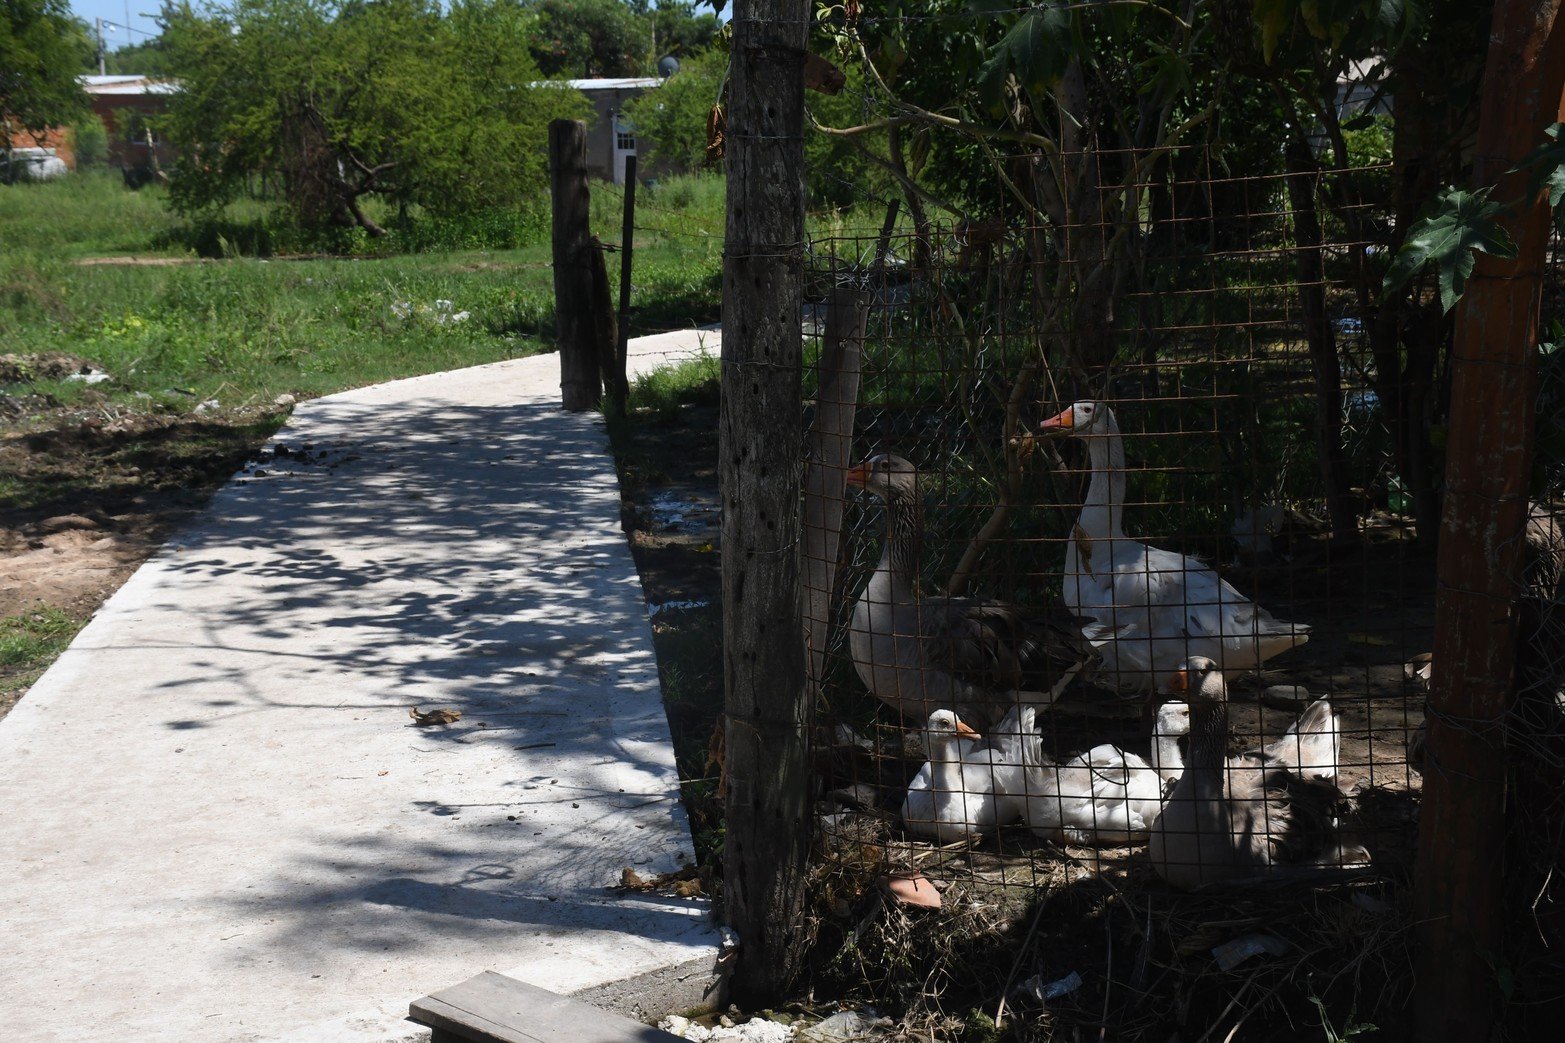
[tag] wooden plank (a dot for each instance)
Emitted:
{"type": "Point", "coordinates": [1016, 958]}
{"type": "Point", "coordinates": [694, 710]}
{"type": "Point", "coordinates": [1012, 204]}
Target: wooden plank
{"type": "Point", "coordinates": [831, 442]}
{"type": "Point", "coordinates": [493, 1007]}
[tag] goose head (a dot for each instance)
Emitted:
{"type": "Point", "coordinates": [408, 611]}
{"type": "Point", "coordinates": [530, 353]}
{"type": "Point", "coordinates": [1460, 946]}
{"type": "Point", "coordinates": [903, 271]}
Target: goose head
{"type": "Point", "coordinates": [945, 727]}
{"type": "Point", "coordinates": [1198, 680]}
{"type": "Point", "coordinates": [887, 476]}
{"type": "Point", "coordinates": [1080, 420]}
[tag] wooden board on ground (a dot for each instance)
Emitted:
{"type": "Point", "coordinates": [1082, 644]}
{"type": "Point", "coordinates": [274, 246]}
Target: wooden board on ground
{"type": "Point", "coordinates": [491, 1006]}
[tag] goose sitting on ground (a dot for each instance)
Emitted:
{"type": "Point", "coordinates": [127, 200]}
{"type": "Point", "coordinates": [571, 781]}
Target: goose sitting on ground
{"type": "Point", "coordinates": [920, 653]}
{"type": "Point", "coordinates": [1104, 796]}
{"type": "Point", "coordinates": [964, 788]}
{"type": "Point", "coordinates": [1259, 812]}
{"type": "Point", "coordinates": [1150, 609]}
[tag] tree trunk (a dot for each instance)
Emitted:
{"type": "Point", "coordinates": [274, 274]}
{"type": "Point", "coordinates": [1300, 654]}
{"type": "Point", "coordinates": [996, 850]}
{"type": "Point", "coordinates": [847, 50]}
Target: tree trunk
{"type": "Point", "coordinates": [1323, 344]}
{"type": "Point", "coordinates": [766, 705]}
{"type": "Point", "coordinates": [1086, 232]}
{"type": "Point", "coordinates": [575, 327]}
{"type": "Point", "coordinates": [1460, 937]}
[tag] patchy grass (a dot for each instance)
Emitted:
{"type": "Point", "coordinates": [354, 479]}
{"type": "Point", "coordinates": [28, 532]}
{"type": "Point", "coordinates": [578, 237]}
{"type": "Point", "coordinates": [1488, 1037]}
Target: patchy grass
{"type": "Point", "coordinates": [28, 644]}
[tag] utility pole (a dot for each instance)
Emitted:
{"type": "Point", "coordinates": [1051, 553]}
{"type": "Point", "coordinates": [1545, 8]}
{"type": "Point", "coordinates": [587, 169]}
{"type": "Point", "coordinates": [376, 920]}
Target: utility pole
{"type": "Point", "coordinates": [102, 66]}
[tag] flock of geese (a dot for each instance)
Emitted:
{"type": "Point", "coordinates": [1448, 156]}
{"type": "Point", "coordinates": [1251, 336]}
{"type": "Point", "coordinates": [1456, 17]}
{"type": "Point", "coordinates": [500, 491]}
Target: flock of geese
{"type": "Point", "coordinates": [1147, 620]}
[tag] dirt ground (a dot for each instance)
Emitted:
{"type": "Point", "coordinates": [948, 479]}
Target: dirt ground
{"type": "Point", "coordinates": [89, 491]}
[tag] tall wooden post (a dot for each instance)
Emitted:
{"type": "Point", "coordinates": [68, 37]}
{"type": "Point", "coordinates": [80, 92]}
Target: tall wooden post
{"type": "Point", "coordinates": [761, 438]}
{"type": "Point", "coordinates": [617, 381]}
{"type": "Point", "coordinates": [576, 327]}
{"type": "Point", "coordinates": [1461, 835]}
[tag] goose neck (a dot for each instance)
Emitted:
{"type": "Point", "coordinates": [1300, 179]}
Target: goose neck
{"type": "Point", "coordinates": [1208, 743]}
{"type": "Point", "coordinates": [1103, 513]}
{"type": "Point", "coordinates": [904, 539]}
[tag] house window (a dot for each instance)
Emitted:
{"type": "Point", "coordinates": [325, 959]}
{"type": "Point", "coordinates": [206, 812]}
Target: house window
{"type": "Point", "coordinates": [137, 129]}
{"type": "Point", "coordinates": [624, 135]}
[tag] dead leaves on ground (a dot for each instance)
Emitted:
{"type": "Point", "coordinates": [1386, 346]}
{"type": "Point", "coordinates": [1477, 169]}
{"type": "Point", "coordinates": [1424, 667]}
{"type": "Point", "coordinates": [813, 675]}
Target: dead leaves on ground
{"type": "Point", "coordinates": [442, 715]}
{"type": "Point", "coordinates": [684, 882]}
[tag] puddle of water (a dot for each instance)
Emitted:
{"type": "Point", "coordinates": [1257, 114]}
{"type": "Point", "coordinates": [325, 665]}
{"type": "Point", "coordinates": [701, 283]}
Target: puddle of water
{"type": "Point", "coordinates": [683, 511]}
{"type": "Point", "coordinates": [675, 606]}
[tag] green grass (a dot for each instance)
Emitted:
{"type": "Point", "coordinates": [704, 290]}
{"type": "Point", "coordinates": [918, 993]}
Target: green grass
{"type": "Point", "coordinates": [245, 329]}
{"type": "Point", "coordinates": [29, 643]}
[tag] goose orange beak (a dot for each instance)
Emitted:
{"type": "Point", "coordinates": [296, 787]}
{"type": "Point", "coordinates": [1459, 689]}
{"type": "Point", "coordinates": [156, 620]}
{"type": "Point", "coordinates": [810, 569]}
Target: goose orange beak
{"type": "Point", "coordinates": [857, 476]}
{"type": "Point", "coordinates": [963, 730]}
{"type": "Point", "coordinates": [1064, 422]}
{"type": "Point", "coordinates": [1180, 682]}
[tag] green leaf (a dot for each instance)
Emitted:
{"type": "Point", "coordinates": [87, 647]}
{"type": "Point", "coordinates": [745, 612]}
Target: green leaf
{"type": "Point", "coordinates": [1273, 18]}
{"type": "Point", "coordinates": [1037, 49]}
{"type": "Point", "coordinates": [1546, 164]}
{"type": "Point", "coordinates": [1452, 230]}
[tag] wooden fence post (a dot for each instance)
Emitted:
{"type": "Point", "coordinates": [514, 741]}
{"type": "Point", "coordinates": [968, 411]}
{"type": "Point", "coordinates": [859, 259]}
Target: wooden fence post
{"type": "Point", "coordinates": [1459, 874]}
{"type": "Point", "coordinates": [618, 383]}
{"type": "Point", "coordinates": [576, 327]}
{"type": "Point", "coordinates": [769, 817]}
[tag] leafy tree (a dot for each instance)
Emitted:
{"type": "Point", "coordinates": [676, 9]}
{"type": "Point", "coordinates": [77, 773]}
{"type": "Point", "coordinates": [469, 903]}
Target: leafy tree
{"type": "Point", "coordinates": [676, 28]}
{"type": "Point", "coordinates": [337, 101]}
{"type": "Point", "coordinates": [41, 48]}
{"type": "Point", "coordinates": [671, 120]}
{"type": "Point", "coordinates": [590, 38]}
{"type": "Point", "coordinates": [144, 58]}
{"type": "Point", "coordinates": [90, 141]}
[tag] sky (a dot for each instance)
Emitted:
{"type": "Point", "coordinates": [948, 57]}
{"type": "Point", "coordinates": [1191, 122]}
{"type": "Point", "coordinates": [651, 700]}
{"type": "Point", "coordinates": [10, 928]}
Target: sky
{"type": "Point", "coordinates": [139, 18]}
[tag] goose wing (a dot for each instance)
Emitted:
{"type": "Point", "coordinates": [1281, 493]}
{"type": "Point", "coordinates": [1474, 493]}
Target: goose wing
{"type": "Point", "coordinates": [1000, 647]}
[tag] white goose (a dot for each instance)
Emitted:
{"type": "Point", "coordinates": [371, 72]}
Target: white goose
{"type": "Point", "coordinates": [1260, 812]}
{"type": "Point", "coordinates": [1102, 797]}
{"type": "Point", "coordinates": [964, 788]}
{"type": "Point", "coordinates": [1151, 609]}
{"type": "Point", "coordinates": [918, 653]}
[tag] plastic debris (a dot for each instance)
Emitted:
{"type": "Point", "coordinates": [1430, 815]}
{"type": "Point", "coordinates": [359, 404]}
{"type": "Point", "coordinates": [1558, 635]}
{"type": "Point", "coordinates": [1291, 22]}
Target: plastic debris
{"type": "Point", "coordinates": [1231, 954]}
{"type": "Point", "coordinates": [1037, 990]}
{"type": "Point", "coordinates": [846, 1025]}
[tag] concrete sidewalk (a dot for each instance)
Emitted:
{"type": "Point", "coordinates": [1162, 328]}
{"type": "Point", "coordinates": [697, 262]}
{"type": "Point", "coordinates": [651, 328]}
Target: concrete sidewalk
{"type": "Point", "coordinates": [221, 823]}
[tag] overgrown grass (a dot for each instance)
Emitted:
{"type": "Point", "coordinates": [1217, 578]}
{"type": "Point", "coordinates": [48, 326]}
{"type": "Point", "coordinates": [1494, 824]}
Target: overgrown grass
{"type": "Point", "coordinates": [245, 329]}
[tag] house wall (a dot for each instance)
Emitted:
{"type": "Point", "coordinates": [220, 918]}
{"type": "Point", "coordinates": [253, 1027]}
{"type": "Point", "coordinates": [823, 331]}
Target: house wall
{"type": "Point", "coordinates": [57, 138]}
{"type": "Point", "coordinates": [122, 116]}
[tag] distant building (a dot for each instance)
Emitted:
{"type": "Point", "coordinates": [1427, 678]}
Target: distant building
{"type": "Point", "coordinates": [611, 138]}
{"type": "Point", "coordinates": [125, 104]}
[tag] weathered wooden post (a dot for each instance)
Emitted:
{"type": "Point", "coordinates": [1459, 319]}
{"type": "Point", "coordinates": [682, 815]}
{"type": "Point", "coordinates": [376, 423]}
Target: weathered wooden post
{"type": "Point", "coordinates": [830, 445]}
{"type": "Point", "coordinates": [1461, 833]}
{"type": "Point", "coordinates": [576, 328]}
{"type": "Point", "coordinates": [761, 437]}
{"type": "Point", "coordinates": [617, 382]}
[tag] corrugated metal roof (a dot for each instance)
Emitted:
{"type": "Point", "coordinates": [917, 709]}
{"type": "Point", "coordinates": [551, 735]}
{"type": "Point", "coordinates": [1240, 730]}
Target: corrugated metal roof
{"type": "Point", "coordinates": [623, 83]}
{"type": "Point", "coordinates": [126, 86]}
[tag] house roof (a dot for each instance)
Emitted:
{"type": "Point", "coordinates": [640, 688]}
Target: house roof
{"type": "Point", "coordinates": [611, 84]}
{"type": "Point", "coordinates": [126, 85]}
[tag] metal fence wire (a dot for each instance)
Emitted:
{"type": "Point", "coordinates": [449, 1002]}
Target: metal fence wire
{"type": "Point", "coordinates": [1130, 597]}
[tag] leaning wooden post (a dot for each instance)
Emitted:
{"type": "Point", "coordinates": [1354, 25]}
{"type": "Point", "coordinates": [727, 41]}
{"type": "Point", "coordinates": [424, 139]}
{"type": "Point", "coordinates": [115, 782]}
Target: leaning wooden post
{"type": "Point", "coordinates": [574, 323]}
{"type": "Point", "coordinates": [769, 820]}
{"type": "Point", "coordinates": [1461, 835]}
{"type": "Point", "coordinates": [617, 381]}
{"type": "Point", "coordinates": [831, 443]}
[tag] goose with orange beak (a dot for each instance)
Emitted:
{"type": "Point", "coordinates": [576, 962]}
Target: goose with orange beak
{"type": "Point", "coordinates": [1261, 812]}
{"type": "Point", "coordinates": [1148, 610]}
{"type": "Point", "coordinates": [965, 788]}
{"type": "Point", "coordinates": [919, 653]}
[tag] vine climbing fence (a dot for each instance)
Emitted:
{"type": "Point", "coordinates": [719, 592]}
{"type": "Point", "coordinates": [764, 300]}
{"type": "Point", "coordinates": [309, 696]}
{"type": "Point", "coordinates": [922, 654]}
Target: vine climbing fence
{"type": "Point", "coordinates": [976, 540]}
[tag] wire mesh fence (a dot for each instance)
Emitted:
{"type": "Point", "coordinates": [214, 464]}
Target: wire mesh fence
{"type": "Point", "coordinates": [1135, 593]}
